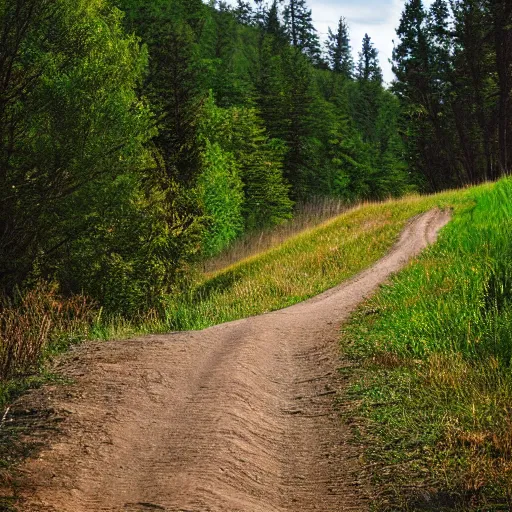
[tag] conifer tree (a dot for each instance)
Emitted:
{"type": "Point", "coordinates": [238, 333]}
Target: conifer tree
{"type": "Point", "coordinates": [273, 26]}
{"type": "Point", "coordinates": [244, 13]}
{"type": "Point", "coordinates": [412, 65]}
{"type": "Point", "coordinates": [368, 68]}
{"type": "Point", "coordinates": [500, 14]}
{"type": "Point", "coordinates": [173, 84]}
{"type": "Point", "coordinates": [369, 90]}
{"type": "Point", "coordinates": [301, 31]}
{"type": "Point", "coordinates": [339, 51]}
{"type": "Point", "coordinates": [298, 94]}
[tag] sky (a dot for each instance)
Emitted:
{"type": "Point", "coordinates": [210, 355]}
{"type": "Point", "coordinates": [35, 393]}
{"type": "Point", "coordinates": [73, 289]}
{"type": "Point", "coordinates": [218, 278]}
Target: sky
{"type": "Point", "coordinates": [378, 18]}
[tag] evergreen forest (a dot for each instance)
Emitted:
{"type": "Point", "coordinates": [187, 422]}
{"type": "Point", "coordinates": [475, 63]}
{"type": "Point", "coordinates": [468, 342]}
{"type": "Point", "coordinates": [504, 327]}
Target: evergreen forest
{"type": "Point", "coordinates": [138, 137]}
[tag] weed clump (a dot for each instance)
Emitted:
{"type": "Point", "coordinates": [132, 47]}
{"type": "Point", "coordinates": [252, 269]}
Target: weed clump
{"type": "Point", "coordinates": [37, 322]}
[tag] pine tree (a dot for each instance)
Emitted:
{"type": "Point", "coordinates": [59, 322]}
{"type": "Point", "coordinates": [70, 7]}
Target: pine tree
{"type": "Point", "coordinates": [368, 92]}
{"type": "Point", "coordinates": [419, 87]}
{"type": "Point", "coordinates": [270, 87]}
{"type": "Point", "coordinates": [368, 68]}
{"type": "Point", "coordinates": [298, 95]}
{"type": "Point", "coordinates": [244, 13]}
{"type": "Point", "coordinates": [500, 14]}
{"type": "Point", "coordinates": [410, 56]}
{"type": "Point", "coordinates": [339, 51]}
{"type": "Point", "coordinates": [301, 31]}
{"type": "Point", "coordinates": [273, 26]}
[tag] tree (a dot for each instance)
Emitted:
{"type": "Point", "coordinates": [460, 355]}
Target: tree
{"type": "Point", "coordinates": [339, 51]}
{"type": "Point", "coordinates": [219, 183]}
{"type": "Point", "coordinates": [420, 87]}
{"type": "Point", "coordinates": [368, 68]}
{"type": "Point", "coordinates": [244, 13]}
{"type": "Point", "coordinates": [301, 31]}
{"type": "Point", "coordinates": [298, 101]}
{"type": "Point", "coordinates": [500, 13]}
{"type": "Point", "coordinates": [173, 83]}
{"type": "Point", "coordinates": [234, 139]}
{"type": "Point", "coordinates": [78, 201]}
{"type": "Point", "coordinates": [273, 26]}
{"type": "Point", "coordinates": [266, 193]}
{"type": "Point", "coordinates": [368, 94]}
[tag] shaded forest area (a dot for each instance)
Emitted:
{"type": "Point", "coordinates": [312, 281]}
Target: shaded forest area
{"type": "Point", "coordinates": [137, 137]}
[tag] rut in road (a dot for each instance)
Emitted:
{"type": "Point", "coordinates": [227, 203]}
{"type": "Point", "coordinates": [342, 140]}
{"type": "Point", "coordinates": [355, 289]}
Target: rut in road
{"type": "Point", "coordinates": [237, 417]}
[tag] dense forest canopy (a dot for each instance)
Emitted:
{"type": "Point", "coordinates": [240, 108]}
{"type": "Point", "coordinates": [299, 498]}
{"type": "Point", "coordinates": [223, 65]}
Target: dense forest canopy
{"type": "Point", "coordinates": [137, 136]}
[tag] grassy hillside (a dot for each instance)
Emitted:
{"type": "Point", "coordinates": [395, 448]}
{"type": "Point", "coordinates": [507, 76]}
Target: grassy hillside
{"type": "Point", "coordinates": [435, 349]}
{"type": "Point", "coordinates": [303, 266]}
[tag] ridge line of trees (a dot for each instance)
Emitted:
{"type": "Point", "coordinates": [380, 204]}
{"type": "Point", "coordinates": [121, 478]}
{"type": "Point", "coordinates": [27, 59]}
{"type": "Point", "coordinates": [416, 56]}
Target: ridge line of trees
{"type": "Point", "coordinates": [138, 136]}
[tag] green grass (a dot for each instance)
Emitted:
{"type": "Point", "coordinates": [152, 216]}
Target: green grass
{"type": "Point", "coordinates": [303, 266]}
{"type": "Point", "coordinates": [435, 348]}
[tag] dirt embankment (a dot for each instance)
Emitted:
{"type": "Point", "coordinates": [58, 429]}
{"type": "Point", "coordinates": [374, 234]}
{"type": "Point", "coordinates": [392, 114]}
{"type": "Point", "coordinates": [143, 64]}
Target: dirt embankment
{"type": "Point", "coordinates": [238, 417]}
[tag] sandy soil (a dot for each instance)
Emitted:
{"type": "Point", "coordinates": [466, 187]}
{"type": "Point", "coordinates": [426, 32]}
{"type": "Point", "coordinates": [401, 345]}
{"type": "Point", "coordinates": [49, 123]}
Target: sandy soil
{"type": "Point", "coordinates": [238, 417]}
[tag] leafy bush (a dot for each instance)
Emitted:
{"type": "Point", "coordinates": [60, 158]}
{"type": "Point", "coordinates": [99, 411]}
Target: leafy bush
{"type": "Point", "coordinates": [221, 189]}
{"type": "Point", "coordinates": [256, 161]}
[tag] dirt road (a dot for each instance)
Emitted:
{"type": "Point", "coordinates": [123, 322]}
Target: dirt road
{"type": "Point", "coordinates": [238, 417]}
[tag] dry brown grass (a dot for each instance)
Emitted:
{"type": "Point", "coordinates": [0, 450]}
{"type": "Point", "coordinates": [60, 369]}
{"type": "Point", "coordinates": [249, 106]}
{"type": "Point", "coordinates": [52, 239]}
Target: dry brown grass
{"type": "Point", "coordinates": [29, 323]}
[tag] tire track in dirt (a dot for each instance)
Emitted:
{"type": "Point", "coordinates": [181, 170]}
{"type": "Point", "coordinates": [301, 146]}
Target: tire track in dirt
{"type": "Point", "coordinates": [238, 417]}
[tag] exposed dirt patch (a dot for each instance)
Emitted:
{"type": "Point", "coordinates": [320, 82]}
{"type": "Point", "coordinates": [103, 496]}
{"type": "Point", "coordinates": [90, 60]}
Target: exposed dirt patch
{"type": "Point", "coordinates": [238, 417]}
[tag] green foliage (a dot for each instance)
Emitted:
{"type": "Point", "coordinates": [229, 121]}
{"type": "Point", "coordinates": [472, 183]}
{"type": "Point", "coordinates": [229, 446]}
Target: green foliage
{"type": "Point", "coordinates": [439, 343]}
{"type": "Point", "coordinates": [339, 51]}
{"type": "Point", "coordinates": [454, 80]}
{"type": "Point", "coordinates": [266, 200]}
{"type": "Point", "coordinates": [368, 69]}
{"type": "Point", "coordinates": [219, 183]}
{"type": "Point", "coordinates": [301, 31]}
{"type": "Point", "coordinates": [80, 197]}
{"type": "Point", "coordinates": [244, 157]}
{"type": "Point", "coordinates": [221, 189]}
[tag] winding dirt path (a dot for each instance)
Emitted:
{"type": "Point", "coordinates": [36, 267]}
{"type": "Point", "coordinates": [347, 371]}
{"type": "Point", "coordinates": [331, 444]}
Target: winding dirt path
{"type": "Point", "coordinates": [238, 417]}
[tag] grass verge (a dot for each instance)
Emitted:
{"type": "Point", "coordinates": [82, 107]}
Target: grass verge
{"type": "Point", "coordinates": [434, 392]}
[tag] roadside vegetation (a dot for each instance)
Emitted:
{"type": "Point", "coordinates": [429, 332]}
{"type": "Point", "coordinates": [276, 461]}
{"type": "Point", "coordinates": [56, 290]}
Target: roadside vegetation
{"type": "Point", "coordinates": [307, 215]}
{"type": "Point", "coordinates": [434, 349]}
{"type": "Point", "coordinates": [34, 325]}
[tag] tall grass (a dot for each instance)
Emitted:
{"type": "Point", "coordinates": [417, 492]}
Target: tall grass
{"type": "Point", "coordinates": [307, 215]}
{"type": "Point", "coordinates": [437, 344]}
{"type": "Point", "coordinates": [37, 322]}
